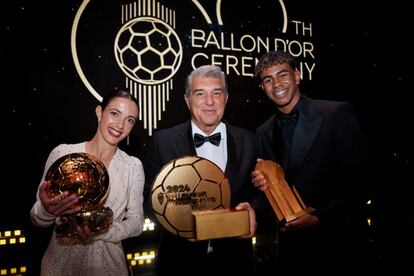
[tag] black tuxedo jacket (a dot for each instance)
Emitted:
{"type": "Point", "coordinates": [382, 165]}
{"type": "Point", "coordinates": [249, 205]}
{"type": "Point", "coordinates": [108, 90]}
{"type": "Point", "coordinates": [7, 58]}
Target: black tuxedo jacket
{"type": "Point", "coordinates": [327, 162]}
{"type": "Point", "coordinates": [175, 142]}
{"type": "Point", "coordinates": [327, 157]}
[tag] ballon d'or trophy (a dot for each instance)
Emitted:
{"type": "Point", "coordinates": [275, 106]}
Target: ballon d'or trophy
{"type": "Point", "coordinates": [286, 202]}
{"type": "Point", "coordinates": [190, 197]}
{"type": "Point", "coordinates": [86, 176]}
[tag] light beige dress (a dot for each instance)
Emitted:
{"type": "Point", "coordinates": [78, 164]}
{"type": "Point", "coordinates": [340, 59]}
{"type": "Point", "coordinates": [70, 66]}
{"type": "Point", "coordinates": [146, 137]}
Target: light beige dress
{"type": "Point", "coordinates": [105, 256]}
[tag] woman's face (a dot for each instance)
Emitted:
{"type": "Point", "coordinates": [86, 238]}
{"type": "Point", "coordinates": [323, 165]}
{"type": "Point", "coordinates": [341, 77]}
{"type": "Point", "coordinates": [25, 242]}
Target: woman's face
{"type": "Point", "coordinates": [117, 119]}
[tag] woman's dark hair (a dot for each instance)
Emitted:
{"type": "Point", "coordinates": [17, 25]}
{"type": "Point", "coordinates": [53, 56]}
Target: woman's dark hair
{"type": "Point", "coordinates": [117, 93]}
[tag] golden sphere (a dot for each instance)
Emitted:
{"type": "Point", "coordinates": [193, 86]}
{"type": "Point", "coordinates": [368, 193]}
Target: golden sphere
{"type": "Point", "coordinates": [82, 174]}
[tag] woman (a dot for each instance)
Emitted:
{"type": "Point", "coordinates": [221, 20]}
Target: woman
{"type": "Point", "coordinates": [100, 254]}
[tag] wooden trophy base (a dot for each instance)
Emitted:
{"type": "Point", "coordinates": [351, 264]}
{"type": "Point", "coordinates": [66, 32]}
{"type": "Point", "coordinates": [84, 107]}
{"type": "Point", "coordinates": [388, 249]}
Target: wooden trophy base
{"type": "Point", "coordinates": [286, 203]}
{"type": "Point", "coordinates": [222, 223]}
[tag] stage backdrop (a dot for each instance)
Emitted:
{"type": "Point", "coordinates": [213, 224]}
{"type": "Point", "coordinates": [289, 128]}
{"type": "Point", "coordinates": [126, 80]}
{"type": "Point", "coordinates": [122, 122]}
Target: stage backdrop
{"type": "Point", "coordinates": [65, 55]}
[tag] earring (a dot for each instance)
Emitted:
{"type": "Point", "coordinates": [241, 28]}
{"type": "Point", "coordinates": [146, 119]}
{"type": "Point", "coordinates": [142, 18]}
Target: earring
{"type": "Point", "coordinates": [127, 140]}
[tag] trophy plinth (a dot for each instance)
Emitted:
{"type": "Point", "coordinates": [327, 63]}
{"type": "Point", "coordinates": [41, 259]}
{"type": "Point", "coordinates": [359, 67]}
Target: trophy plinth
{"type": "Point", "coordinates": [86, 176]}
{"type": "Point", "coordinates": [286, 202]}
{"type": "Point", "coordinates": [97, 220]}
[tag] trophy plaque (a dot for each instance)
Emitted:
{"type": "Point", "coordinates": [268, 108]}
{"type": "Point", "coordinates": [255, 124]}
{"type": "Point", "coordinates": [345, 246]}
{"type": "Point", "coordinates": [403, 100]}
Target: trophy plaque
{"type": "Point", "coordinates": [184, 185]}
{"type": "Point", "coordinates": [86, 176]}
{"type": "Point", "coordinates": [286, 202]}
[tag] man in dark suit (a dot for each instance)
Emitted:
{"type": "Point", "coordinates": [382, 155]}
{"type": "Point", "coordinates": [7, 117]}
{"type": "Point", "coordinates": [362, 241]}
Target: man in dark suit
{"type": "Point", "coordinates": [323, 153]}
{"type": "Point", "coordinates": [235, 152]}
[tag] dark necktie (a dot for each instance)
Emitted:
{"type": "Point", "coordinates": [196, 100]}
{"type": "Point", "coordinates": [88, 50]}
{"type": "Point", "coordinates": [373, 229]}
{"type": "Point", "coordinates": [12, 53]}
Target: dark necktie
{"type": "Point", "coordinates": [200, 139]}
{"type": "Point", "coordinates": [284, 119]}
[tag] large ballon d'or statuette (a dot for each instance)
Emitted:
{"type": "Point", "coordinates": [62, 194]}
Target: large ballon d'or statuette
{"type": "Point", "coordinates": [86, 176]}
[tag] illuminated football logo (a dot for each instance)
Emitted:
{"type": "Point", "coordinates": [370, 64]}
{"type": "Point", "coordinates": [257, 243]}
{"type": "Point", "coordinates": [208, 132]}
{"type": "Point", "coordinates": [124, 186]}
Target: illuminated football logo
{"type": "Point", "coordinates": [148, 50]}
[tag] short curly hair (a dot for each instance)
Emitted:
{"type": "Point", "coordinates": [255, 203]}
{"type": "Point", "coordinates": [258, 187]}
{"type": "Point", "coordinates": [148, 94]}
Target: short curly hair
{"type": "Point", "coordinates": [273, 58]}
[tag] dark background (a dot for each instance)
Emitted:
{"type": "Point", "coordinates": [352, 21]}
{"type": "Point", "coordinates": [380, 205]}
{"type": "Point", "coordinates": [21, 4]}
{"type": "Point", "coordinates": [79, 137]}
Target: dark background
{"type": "Point", "coordinates": [363, 56]}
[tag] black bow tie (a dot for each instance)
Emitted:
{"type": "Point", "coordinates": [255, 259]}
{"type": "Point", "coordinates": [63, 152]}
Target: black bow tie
{"type": "Point", "coordinates": [200, 139]}
{"type": "Point", "coordinates": [283, 119]}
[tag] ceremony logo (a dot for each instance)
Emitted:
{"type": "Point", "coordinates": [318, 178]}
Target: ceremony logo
{"type": "Point", "coordinates": [142, 45]}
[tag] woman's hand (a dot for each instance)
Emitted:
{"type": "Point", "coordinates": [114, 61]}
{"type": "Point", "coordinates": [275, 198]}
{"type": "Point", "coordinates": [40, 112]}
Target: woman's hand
{"type": "Point", "coordinates": [62, 204]}
{"type": "Point", "coordinates": [84, 234]}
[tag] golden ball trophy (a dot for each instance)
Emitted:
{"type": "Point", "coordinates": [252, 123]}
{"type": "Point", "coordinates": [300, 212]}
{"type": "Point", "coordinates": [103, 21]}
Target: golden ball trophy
{"type": "Point", "coordinates": [86, 176]}
{"type": "Point", "coordinates": [191, 198]}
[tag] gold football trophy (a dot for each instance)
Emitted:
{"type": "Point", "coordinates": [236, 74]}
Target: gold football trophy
{"type": "Point", "coordinates": [286, 202]}
{"type": "Point", "coordinates": [189, 195]}
{"type": "Point", "coordinates": [86, 176]}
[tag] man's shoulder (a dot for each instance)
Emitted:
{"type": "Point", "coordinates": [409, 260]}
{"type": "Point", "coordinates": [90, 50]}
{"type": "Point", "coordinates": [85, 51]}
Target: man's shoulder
{"type": "Point", "coordinates": [180, 128]}
{"type": "Point", "coordinates": [237, 128]}
{"type": "Point", "coordinates": [266, 124]}
{"type": "Point", "coordinates": [329, 108]}
{"type": "Point", "coordinates": [239, 131]}
{"type": "Point", "coordinates": [326, 105]}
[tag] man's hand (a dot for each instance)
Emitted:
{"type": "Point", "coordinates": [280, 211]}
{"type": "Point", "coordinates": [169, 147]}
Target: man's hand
{"type": "Point", "coordinates": [252, 218]}
{"type": "Point", "coordinates": [258, 178]}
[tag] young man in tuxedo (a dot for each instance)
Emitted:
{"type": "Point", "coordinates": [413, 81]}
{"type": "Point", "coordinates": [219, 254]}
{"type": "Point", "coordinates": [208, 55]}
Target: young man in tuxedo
{"type": "Point", "coordinates": [323, 153]}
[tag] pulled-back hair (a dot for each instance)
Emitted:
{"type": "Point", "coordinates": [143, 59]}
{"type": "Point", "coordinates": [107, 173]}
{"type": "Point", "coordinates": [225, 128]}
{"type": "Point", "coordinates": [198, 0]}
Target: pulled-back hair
{"type": "Point", "coordinates": [117, 93]}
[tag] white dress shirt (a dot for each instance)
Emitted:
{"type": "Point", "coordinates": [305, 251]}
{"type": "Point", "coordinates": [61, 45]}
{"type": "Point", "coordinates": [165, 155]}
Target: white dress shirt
{"type": "Point", "coordinates": [216, 154]}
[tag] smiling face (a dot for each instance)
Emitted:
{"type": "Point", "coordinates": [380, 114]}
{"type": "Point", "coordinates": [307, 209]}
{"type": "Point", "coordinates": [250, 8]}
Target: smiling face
{"type": "Point", "coordinates": [206, 102]}
{"type": "Point", "coordinates": [117, 119]}
{"type": "Point", "coordinates": [280, 83]}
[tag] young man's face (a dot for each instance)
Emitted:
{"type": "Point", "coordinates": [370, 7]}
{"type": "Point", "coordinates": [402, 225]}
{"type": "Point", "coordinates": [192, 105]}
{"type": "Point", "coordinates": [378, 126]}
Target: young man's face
{"type": "Point", "coordinates": [280, 83]}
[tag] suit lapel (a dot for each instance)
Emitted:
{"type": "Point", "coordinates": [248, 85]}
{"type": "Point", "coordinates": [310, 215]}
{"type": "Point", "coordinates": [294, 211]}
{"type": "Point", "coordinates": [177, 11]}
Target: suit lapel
{"type": "Point", "coordinates": [185, 142]}
{"type": "Point", "coordinates": [276, 146]}
{"type": "Point", "coordinates": [231, 152]}
{"type": "Point", "coordinates": [271, 141]}
{"type": "Point", "coordinates": [305, 133]}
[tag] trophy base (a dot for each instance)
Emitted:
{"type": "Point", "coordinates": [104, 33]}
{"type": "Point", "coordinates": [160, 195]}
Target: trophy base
{"type": "Point", "coordinates": [299, 214]}
{"type": "Point", "coordinates": [222, 223]}
{"type": "Point", "coordinates": [97, 220]}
